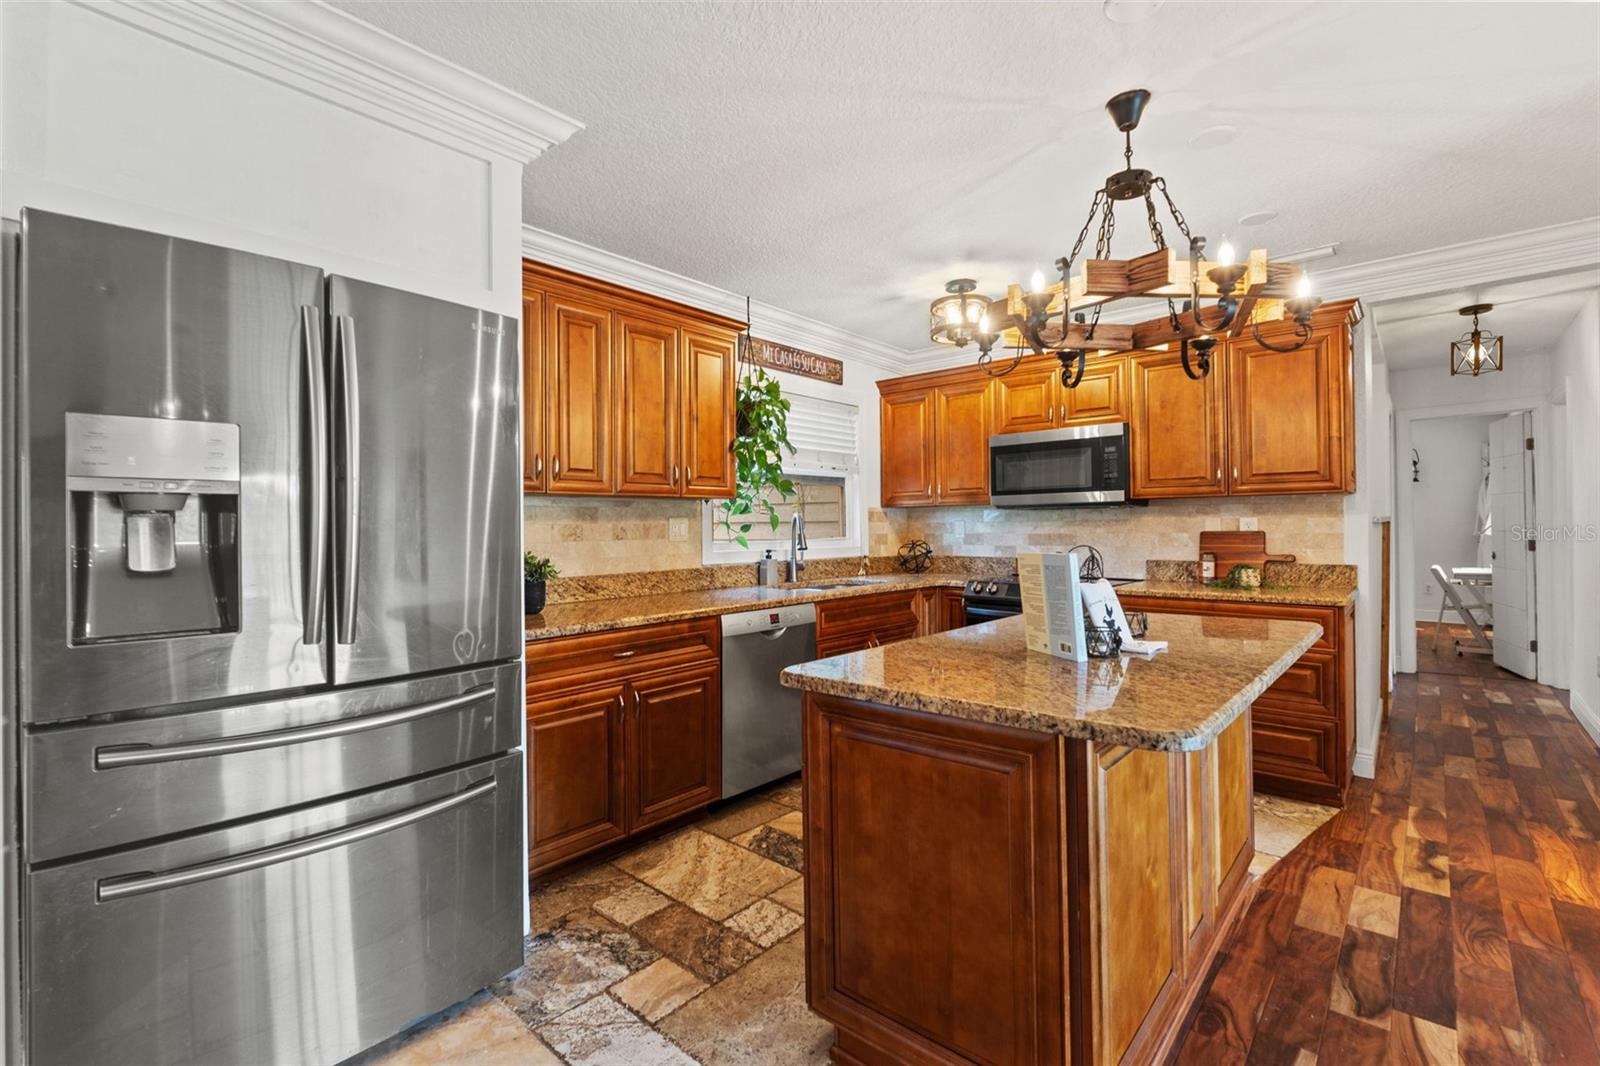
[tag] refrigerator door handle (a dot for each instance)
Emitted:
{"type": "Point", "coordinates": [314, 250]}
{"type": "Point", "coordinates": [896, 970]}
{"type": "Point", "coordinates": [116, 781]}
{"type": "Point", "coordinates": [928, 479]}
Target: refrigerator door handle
{"type": "Point", "coordinates": [316, 571]}
{"type": "Point", "coordinates": [114, 888]}
{"type": "Point", "coordinates": [350, 473]}
{"type": "Point", "coordinates": [114, 756]}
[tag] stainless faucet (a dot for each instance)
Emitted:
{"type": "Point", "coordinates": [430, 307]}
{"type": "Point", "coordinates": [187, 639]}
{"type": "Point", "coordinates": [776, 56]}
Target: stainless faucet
{"type": "Point", "coordinates": [797, 544]}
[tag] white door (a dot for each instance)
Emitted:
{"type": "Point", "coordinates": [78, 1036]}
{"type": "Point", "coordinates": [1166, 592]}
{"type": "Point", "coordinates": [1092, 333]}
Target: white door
{"type": "Point", "coordinates": [1511, 511]}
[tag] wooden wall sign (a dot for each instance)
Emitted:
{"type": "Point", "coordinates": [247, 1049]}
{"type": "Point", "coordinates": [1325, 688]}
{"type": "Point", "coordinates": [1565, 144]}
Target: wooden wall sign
{"type": "Point", "coordinates": [775, 356]}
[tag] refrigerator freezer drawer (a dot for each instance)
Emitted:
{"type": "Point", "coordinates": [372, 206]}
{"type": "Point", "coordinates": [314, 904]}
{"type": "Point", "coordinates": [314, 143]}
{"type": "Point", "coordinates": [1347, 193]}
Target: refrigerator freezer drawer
{"type": "Point", "coordinates": [109, 785]}
{"type": "Point", "coordinates": [304, 937]}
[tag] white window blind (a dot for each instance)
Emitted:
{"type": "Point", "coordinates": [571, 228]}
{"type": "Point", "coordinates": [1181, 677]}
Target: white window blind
{"type": "Point", "coordinates": [823, 433]}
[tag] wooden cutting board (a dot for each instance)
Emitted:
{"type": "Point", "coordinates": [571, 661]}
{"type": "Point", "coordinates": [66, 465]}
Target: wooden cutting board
{"type": "Point", "coordinates": [1235, 546]}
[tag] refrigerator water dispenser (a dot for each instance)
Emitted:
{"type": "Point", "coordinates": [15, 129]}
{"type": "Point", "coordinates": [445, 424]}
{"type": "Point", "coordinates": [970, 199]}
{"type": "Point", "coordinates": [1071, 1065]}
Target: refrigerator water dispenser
{"type": "Point", "coordinates": [154, 526]}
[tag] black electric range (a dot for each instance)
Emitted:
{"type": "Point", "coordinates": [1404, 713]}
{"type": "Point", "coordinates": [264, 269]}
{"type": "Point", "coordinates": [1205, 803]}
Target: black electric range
{"type": "Point", "coordinates": [986, 599]}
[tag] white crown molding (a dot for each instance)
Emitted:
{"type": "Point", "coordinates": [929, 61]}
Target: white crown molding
{"type": "Point", "coordinates": [1530, 253]}
{"type": "Point", "coordinates": [770, 322]}
{"type": "Point", "coordinates": [319, 49]}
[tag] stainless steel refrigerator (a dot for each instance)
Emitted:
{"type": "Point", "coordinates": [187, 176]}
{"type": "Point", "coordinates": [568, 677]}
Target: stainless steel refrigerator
{"type": "Point", "coordinates": [265, 634]}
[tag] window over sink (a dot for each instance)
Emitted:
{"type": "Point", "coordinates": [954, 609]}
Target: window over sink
{"type": "Point", "coordinates": [826, 472]}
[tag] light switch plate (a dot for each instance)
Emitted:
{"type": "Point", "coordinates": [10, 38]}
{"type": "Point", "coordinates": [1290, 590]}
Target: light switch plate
{"type": "Point", "coordinates": [1249, 524]}
{"type": "Point", "coordinates": [677, 529]}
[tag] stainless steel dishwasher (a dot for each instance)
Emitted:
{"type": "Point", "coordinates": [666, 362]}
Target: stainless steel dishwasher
{"type": "Point", "coordinates": [761, 718]}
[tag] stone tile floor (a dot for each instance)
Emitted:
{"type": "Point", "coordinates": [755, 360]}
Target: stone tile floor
{"type": "Point", "coordinates": [686, 950]}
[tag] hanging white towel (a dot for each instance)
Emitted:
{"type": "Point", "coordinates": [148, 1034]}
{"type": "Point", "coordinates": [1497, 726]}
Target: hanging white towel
{"type": "Point", "coordinates": [1485, 524]}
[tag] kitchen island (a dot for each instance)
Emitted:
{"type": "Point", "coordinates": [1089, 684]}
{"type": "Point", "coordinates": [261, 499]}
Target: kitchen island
{"type": "Point", "coordinates": [1021, 859]}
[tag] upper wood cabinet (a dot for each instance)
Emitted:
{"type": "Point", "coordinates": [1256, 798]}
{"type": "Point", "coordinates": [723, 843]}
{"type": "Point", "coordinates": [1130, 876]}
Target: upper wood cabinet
{"type": "Point", "coordinates": [580, 430]}
{"type": "Point", "coordinates": [935, 440]}
{"type": "Point", "coordinates": [624, 393]}
{"type": "Point", "coordinates": [1032, 397]}
{"type": "Point", "coordinates": [1177, 429]}
{"type": "Point", "coordinates": [906, 446]}
{"type": "Point", "coordinates": [1289, 416]}
{"type": "Point", "coordinates": [708, 373]}
{"type": "Point", "coordinates": [533, 392]}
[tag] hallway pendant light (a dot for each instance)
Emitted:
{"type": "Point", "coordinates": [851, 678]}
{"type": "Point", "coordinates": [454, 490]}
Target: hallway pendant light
{"type": "Point", "coordinates": [1208, 301]}
{"type": "Point", "coordinates": [1478, 351]}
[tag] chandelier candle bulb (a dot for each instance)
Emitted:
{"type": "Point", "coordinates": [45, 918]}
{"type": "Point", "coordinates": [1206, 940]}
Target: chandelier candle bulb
{"type": "Point", "coordinates": [1225, 254]}
{"type": "Point", "coordinates": [1036, 283]}
{"type": "Point", "coordinates": [1302, 288]}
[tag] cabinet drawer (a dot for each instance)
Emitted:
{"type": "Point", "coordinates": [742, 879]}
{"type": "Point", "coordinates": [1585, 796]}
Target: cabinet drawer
{"type": "Point", "coordinates": [1326, 617]}
{"type": "Point", "coordinates": [1293, 748]}
{"type": "Point", "coordinates": [1307, 687]}
{"type": "Point", "coordinates": [844, 643]}
{"type": "Point", "coordinates": [861, 614]}
{"type": "Point", "coordinates": [602, 656]}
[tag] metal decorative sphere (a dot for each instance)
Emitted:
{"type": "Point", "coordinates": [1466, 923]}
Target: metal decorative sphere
{"type": "Point", "coordinates": [915, 556]}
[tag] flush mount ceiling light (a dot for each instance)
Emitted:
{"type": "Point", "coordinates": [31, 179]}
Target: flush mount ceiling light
{"type": "Point", "coordinates": [1130, 10]}
{"type": "Point", "coordinates": [1257, 218]}
{"type": "Point", "coordinates": [1063, 317]}
{"type": "Point", "coordinates": [960, 317]}
{"type": "Point", "coordinates": [1214, 136]}
{"type": "Point", "coordinates": [1477, 351]}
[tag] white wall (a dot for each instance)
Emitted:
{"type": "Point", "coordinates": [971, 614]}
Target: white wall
{"type": "Point", "coordinates": [1364, 509]}
{"type": "Point", "coordinates": [1577, 367]}
{"type": "Point", "coordinates": [1445, 502]}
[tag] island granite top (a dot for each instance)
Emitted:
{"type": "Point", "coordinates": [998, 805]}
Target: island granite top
{"type": "Point", "coordinates": [1179, 700]}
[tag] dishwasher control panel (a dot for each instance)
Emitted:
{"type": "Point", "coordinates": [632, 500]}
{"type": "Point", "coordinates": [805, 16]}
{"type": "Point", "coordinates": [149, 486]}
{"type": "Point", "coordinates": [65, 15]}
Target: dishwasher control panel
{"type": "Point", "coordinates": [767, 619]}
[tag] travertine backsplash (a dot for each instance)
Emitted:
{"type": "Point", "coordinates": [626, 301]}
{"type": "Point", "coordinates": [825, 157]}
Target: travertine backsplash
{"type": "Point", "coordinates": [1311, 528]}
{"type": "Point", "coordinates": [610, 536]}
{"type": "Point", "coordinates": [618, 536]}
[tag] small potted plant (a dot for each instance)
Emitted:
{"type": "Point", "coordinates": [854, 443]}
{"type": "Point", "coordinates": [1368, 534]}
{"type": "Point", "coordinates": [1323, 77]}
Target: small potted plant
{"type": "Point", "coordinates": [536, 570]}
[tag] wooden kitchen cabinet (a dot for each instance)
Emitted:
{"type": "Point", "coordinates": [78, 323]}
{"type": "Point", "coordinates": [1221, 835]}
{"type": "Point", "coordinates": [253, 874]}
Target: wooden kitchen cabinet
{"type": "Point", "coordinates": [906, 444]}
{"type": "Point", "coordinates": [1025, 400]}
{"type": "Point", "coordinates": [1289, 416]}
{"type": "Point", "coordinates": [961, 443]}
{"type": "Point", "coordinates": [1101, 396]}
{"type": "Point", "coordinates": [1177, 430]}
{"type": "Point", "coordinates": [579, 421]}
{"type": "Point", "coordinates": [1303, 726]}
{"type": "Point", "coordinates": [576, 774]}
{"type": "Point", "coordinates": [533, 392]}
{"type": "Point", "coordinates": [675, 743]}
{"type": "Point", "coordinates": [648, 409]}
{"type": "Point", "coordinates": [624, 734]}
{"type": "Point", "coordinates": [624, 393]}
{"type": "Point", "coordinates": [858, 622]}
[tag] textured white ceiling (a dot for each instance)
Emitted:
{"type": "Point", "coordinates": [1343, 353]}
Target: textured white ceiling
{"type": "Point", "coordinates": [842, 160]}
{"type": "Point", "coordinates": [1530, 315]}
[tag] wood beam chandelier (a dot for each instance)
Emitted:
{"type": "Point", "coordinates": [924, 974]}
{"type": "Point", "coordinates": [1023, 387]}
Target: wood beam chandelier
{"type": "Point", "coordinates": [1063, 318]}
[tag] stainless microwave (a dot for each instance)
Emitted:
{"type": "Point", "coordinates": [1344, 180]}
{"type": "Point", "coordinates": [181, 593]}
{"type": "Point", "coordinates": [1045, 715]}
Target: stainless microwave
{"type": "Point", "coordinates": [1064, 467]}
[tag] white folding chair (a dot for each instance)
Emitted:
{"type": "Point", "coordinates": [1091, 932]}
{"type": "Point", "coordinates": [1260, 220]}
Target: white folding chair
{"type": "Point", "coordinates": [1450, 600]}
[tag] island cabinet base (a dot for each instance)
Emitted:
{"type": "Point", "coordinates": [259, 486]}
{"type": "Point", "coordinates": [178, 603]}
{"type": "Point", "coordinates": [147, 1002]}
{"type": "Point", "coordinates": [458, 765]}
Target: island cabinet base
{"type": "Point", "coordinates": [978, 893]}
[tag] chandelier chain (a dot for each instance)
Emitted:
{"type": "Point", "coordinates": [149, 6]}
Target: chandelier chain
{"type": "Point", "coordinates": [1177, 216]}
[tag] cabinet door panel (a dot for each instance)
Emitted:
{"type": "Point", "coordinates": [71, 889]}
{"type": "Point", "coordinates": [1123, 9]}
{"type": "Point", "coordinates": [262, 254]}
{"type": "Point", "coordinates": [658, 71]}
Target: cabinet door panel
{"type": "Point", "coordinates": [675, 744]}
{"type": "Point", "coordinates": [532, 391]}
{"type": "Point", "coordinates": [578, 411]}
{"type": "Point", "coordinates": [1294, 754]}
{"type": "Point", "coordinates": [961, 442]}
{"type": "Point", "coordinates": [575, 774]}
{"type": "Point", "coordinates": [1288, 416]}
{"type": "Point", "coordinates": [1027, 399]}
{"type": "Point", "coordinates": [907, 448]}
{"type": "Point", "coordinates": [1176, 428]}
{"type": "Point", "coordinates": [1102, 395]}
{"type": "Point", "coordinates": [647, 407]}
{"type": "Point", "coordinates": [709, 375]}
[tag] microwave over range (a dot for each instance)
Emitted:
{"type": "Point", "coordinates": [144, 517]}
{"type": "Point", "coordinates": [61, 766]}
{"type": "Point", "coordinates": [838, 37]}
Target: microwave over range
{"type": "Point", "coordinates": [1071, 466]}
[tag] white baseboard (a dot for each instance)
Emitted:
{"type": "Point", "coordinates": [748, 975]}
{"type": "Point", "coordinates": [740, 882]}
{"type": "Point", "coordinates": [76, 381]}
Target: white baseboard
{"type": "Point", "coordinates": [1586, 715]}
{"type": "Point", "coordinates": [1365, 764]}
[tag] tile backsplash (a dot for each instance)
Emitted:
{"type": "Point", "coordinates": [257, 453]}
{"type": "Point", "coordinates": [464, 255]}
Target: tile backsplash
{"type": "Point", "coordinates": [1311, 528]}
{"type": "Point", "coordinates": [610, 535]}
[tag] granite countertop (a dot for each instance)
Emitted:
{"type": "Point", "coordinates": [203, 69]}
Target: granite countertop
{"type": "Point", "coordinates": [593, 616]}
{"type": "Point", "coordinates": [1213, 669]}
{"type": "Point", "coordinates": [1297, 595]}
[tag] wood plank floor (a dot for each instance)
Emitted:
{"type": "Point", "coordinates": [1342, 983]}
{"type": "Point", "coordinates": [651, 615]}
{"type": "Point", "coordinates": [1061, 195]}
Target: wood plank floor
{"type": "Point", "coordinates": [1451, 912]}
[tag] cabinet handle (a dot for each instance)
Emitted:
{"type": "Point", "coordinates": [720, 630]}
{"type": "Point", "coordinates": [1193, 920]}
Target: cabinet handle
{"type": "Point", "coordinates": [538, 466]}
{"type": "Point", "coordinates": [930, 490]}
{"type": "Point", "coordinates": [625, 654]}
{"type": "Point", "coordinates": [638, 705]}
{"type": "Point", "coordinates": [940, 488]}
{"type": "Point", "coordinates": [674, 473]}
{"type": "Point", "coordinates": [1061, 416]}
{"type": "Point", "coordinates": [555, 468]}
{"type": "Point", "coordinates": [688, 474]}
{"type": "Point", "coordinates": [1236, 473]}
{"type": "Point", "coordinates": [1219, 473]}
{"type": "Point", "coordinates": [620, 705]}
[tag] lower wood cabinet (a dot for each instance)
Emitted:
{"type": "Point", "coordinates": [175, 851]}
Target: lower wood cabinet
{"type": "Point", "coordinates": [859, 622]}
{"type": "Point", "coordinates": [1304, 723]}
{"type": "Point", "coordinates": [982, 893]}
{"type": "Point", "coordinates": [624, 733]}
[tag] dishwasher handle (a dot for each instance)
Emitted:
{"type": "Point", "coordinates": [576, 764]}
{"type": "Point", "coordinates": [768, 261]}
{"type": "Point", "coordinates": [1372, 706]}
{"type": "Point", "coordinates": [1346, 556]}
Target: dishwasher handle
{"type": "Point", "coordinates": [773, 634]}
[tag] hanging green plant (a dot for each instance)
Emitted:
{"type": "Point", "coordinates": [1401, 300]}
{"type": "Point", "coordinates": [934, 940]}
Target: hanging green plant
{"type": "Point", "coordinates": [761, 438]}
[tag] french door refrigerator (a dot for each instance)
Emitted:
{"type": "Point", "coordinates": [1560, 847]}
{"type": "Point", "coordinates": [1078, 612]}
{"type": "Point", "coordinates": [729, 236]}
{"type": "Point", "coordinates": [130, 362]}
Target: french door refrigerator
{"type": "Point", "coordinates": [266, 530]}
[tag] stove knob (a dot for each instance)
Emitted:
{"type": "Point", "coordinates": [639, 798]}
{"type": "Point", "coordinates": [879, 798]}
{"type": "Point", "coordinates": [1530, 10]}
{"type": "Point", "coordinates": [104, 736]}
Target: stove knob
{"type": "Point", "coordinates": [993, 588]}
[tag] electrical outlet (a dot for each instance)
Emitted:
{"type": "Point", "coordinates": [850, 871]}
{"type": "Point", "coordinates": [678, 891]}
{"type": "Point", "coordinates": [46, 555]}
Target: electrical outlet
{"type": "Point", "coordinates": [1249, 524]}
{"type": "Point", "coordinates": [1427, 589]}
{"type": "Point", "coordinates": [677, 529]}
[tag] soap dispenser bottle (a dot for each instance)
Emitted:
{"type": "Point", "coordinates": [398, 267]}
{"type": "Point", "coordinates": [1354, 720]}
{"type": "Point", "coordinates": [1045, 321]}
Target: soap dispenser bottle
{"type": "Point", "coordinates": [771, 571]}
